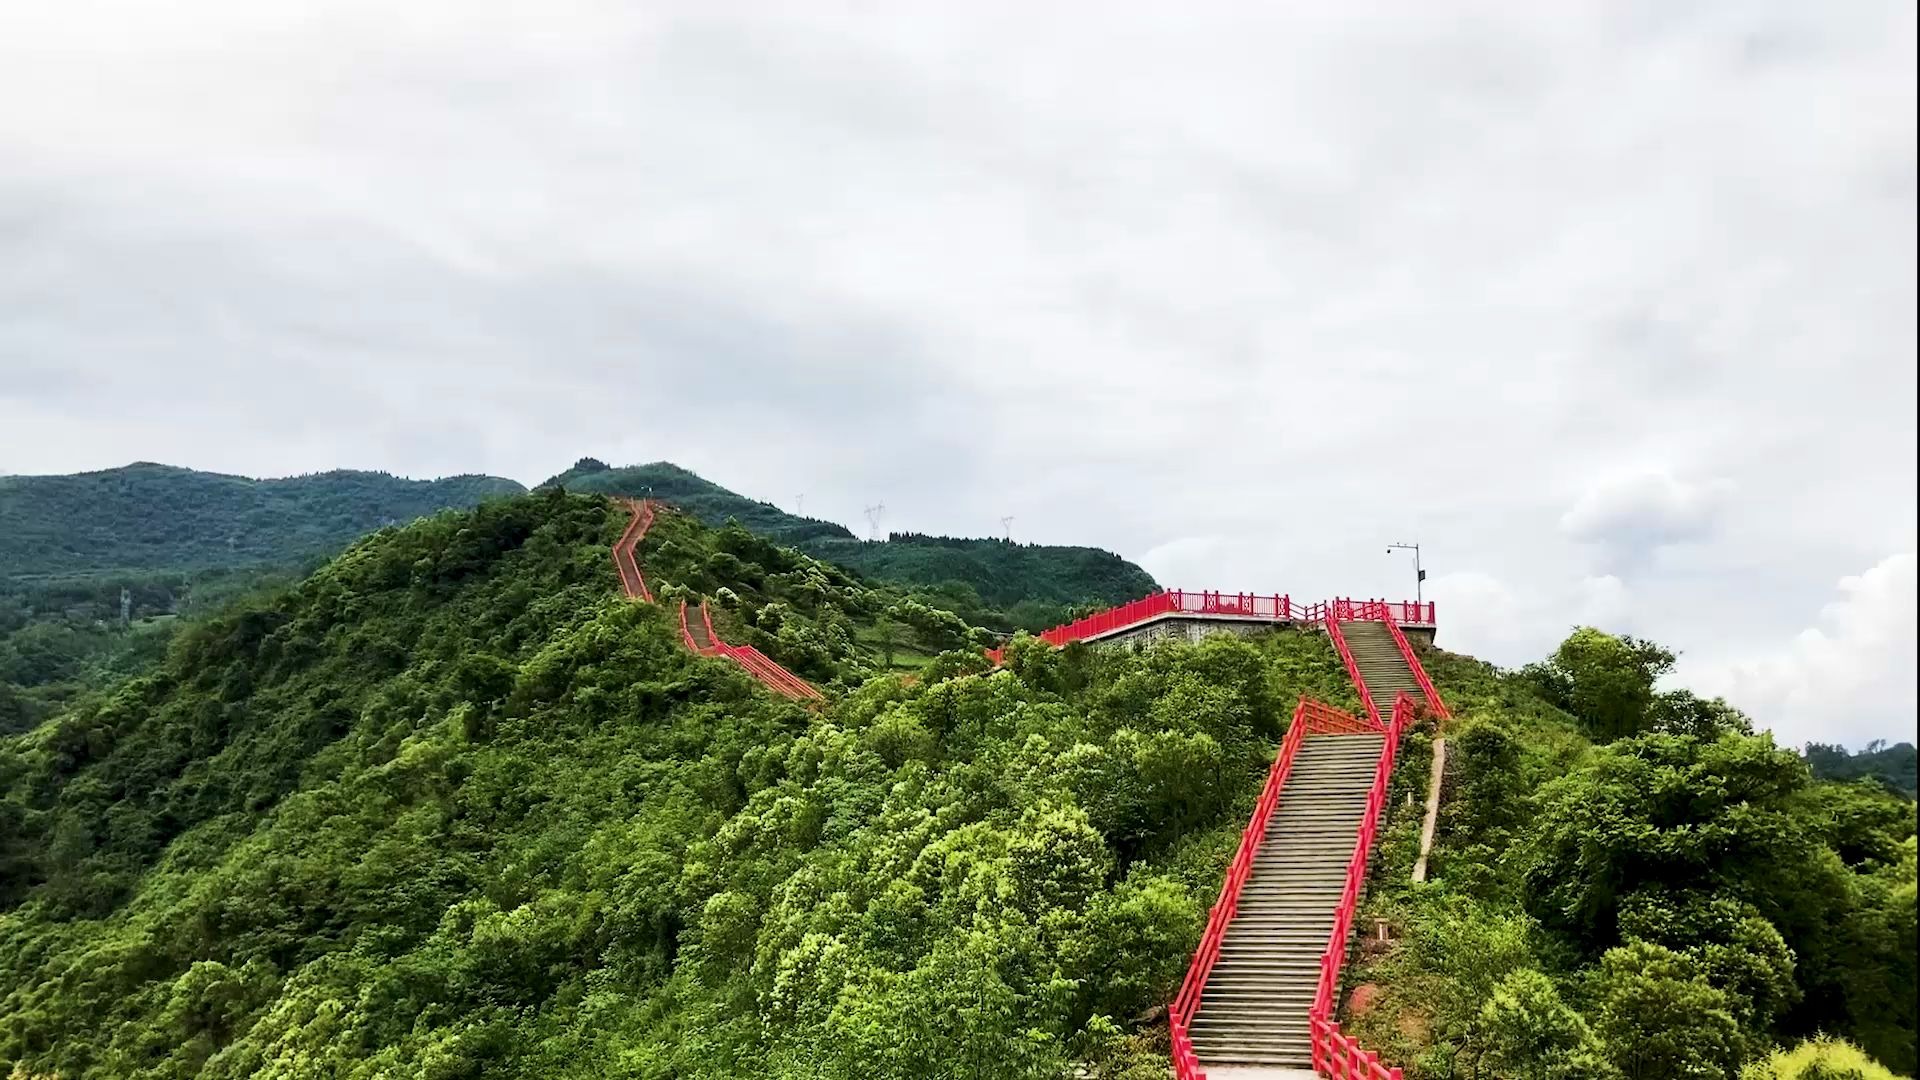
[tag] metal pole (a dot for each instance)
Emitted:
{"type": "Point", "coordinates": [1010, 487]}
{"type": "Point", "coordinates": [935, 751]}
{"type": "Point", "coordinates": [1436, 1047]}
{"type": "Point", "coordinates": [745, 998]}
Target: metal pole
{"type": "Point", "coordinates": [1419, 575]}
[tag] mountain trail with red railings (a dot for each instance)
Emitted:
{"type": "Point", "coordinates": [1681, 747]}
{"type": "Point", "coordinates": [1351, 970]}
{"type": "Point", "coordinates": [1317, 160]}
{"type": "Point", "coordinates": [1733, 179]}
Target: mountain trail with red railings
{"type": "Point", "coordinates": [699, 636]}
{"type": "Point", "coordinates": [1262, 992]}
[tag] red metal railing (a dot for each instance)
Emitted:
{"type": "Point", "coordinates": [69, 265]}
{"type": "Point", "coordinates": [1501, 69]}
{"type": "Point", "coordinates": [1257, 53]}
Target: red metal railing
{"type": "Point", "coordinates": [758, 664]}
{"type": "Point", "coordinates": [631, 582]}
{"type": "Point", "coordinates": [1272, 607]}
{"type": "Point", "coordinates": [1434, 704]}
{"type": "Point", "coordinates": [1309, 717]}
{"type": "Point", "coordinates": [1404, 611]}
{"type": "Point", "coordinates": [1339, 640]}
{"type": "Point", "coordinates": [1335, 1053]}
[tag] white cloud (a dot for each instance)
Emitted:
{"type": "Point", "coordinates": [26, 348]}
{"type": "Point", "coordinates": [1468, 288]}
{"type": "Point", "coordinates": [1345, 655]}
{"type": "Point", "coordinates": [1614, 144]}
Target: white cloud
{"type": "Point", "coordinates": [1485, 616]}
{"type": "Point", "coordinates": [1630, 517]}
{"type": "Point", "coordinates": [1848, 678]}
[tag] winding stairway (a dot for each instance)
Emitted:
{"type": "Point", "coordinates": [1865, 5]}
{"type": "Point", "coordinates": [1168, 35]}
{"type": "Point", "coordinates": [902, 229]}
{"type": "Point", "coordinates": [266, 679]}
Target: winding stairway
{"type": "Point", "coordinates": [698, 634]}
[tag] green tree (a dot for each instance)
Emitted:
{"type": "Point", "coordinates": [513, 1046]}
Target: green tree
{"type": "Point", "coordinates": [1659, 1018]}
{"type": "Point", "coordinates": [1604, 680]}
{"type": "Point", "coordinates": [1531, 1034]}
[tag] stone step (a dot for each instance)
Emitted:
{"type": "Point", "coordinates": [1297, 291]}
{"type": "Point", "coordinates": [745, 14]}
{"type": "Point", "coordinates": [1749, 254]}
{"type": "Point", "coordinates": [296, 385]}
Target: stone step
{"type": "Point", "coordinates": [1245, 1016]}
{"type": "Point", "coordinates": [1275, 958]}
{"type": "Point", "coordinates": [1219, 1051]}
{"type": "Point", "coordinates": [1252, 1023]}
{"type": "Point", "coordinates": [1295, 1004]}
{"type": "Point", "coordinates": [1285, 930]}
{"type": "Point", "coordinates": [1268, 997]}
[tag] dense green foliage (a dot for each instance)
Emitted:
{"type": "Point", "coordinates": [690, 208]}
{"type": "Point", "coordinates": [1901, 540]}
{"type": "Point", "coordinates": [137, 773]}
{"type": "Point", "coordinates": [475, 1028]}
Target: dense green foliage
{"type": "Point", "coordinates": [1607, 684]}
{"type": "Point", "coordinates": [1891, 765]}
{"type": "Point", "coordinates": [1819, 1059]}
{"type": "Point", "coordinates": [1628, 883]}
{"type": "Point", "coordinates": [157, 517]}
{"type": "Point", "coordinates": [180, 543]}
{"type": "Point", "coordinates": [65, 638]}
{"type": "Point", "coordinates": [448, 808]}
{"type": "Point", "coordinates": [985, 581]}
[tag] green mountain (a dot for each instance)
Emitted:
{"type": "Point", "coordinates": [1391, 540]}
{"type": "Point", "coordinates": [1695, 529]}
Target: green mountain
{"type": "Point", "coordinates": [171, 542]}
{"type": "Point", "coordinates": [1893, 765]}
{"type": "Point", "coordinates": [449, 807]}
{"type": "Point", "coordinates": [158, 517]}
{"type": "Point", "coordinates": [987, 581]}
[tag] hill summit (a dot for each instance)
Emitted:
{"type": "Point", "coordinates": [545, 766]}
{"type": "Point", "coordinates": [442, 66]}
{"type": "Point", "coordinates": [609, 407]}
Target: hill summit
{"type": "Point", "coordinates": [987, 581]}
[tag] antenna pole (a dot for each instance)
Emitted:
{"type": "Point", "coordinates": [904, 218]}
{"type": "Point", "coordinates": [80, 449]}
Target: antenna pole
{"type": "Point", "coordinates": [1419, 575]}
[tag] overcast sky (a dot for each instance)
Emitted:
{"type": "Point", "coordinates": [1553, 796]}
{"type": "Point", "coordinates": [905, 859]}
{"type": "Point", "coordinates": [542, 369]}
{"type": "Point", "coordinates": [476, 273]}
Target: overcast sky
{"type": "Point", "coordinates": [1609, 306]}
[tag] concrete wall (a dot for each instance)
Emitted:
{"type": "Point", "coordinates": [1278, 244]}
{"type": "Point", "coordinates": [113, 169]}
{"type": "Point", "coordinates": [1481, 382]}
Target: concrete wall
{"type": "Point", "coordinates": [1177, 629]}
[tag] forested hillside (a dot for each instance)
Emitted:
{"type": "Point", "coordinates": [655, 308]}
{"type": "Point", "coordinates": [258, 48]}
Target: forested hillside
{"type": "Point", "coordinates": [1892, 765]}
{"type": "Point", "coordinates": [171, 542]}
{"type": "Point", "coordinates": [987, 581]}
{"type": "Point", "coordinates": [449, 808]}
{"type": "Point", "coordinates": [1629, 883]}
{"type": "Point", "coordinates": [158, 517]}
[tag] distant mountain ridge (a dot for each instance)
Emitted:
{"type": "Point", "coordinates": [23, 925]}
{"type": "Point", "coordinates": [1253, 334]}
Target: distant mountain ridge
{"type": "Point", "coordinates": [147, 516]}
{"type": "Point", "coordinates": [997, 573]}
{"type": "Point", "coordinates": [112, 527]}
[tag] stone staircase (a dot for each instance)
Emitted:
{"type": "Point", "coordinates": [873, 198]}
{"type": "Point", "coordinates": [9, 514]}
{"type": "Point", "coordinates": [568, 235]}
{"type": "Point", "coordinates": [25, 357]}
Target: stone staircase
{"type": "Point", "coordinates": [1253, 1010]}
{"type": "Point", "coordinates": [1381, 665]}
{"type": "Point", "coordinates": [697, 629]}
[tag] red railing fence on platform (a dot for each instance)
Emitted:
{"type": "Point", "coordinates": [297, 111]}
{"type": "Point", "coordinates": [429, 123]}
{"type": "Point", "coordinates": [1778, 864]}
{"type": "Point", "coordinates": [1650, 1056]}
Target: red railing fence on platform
{"type": "Point", "coordinates": [1273, 607]}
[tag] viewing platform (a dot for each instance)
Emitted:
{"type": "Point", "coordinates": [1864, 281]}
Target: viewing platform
{"type": "Point", "coordinates": [1176, 613]}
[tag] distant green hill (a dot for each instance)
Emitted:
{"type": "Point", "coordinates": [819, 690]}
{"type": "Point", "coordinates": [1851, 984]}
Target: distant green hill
{"type": "Point", "coordinates": [1031, 585]}
{"type": "Point", "coordinates": [179, 542]}
{"type": "Point", "coordinates": [158, 517]}
{"type": "Point", "coordinates": [1891, 765]}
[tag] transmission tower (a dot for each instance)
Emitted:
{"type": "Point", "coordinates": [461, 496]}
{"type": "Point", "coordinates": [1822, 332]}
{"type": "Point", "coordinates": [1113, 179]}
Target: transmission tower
{"type": "Point", "coordinates": [873, 520]}
{"type": "Point", "coordinates": [1006, 527]}
{"type": "Point", "coordinates": [800, 505]}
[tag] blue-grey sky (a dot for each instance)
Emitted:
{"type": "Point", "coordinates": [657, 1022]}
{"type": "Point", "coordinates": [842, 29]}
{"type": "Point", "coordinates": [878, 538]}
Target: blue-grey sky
{"type": "Point", "coordinates": [1608, 305]}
